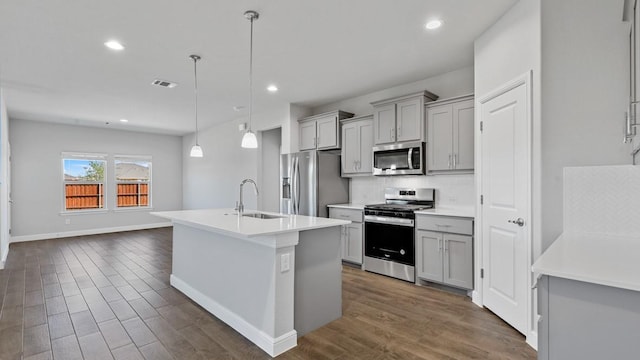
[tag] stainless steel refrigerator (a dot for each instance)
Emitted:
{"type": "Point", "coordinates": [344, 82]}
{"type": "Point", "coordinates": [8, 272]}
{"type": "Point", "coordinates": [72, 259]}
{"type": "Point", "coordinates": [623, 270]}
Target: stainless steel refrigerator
{"type": "Point", "coordinates": [309, 181]}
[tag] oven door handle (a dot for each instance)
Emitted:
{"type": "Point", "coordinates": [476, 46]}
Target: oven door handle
{"type": "Point", "coordinates": [388, 220]}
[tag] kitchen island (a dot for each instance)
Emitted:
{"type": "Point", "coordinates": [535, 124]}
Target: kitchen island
{"type": "Point", "coordinates": [270, 277]}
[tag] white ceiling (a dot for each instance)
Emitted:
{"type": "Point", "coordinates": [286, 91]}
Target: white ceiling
{"type": "Point", "coordinates": [54, 67]}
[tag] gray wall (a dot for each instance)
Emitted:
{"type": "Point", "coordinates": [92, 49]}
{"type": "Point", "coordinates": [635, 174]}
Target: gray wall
{"type": "Point", "coordinates": [213, 181]}
{"type": "Point", "coordinates": [4, 177]}
{"type": "Point", "coordinates": [585, 82]}
{"type": "Point", "coordinates": [270, 170]}
{"type": "Point", "coordinates": [453, 83]}
{"type": "Point", "coordinates": [36, 175]}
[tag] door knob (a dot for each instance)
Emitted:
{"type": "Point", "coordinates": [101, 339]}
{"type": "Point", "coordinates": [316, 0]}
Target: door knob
{"type": "Point", "coordinates": [518, 221]}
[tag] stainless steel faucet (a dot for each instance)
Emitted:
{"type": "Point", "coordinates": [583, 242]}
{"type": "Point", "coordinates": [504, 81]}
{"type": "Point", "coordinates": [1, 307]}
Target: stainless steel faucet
{"type": "Point", "coordinates": [240, 205]}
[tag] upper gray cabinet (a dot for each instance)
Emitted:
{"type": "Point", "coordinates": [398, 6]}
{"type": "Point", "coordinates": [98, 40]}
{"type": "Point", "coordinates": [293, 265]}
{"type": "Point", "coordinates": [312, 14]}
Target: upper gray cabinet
{"type": "Point", "coordinates": [450, 133]}
{"type": "Point", "coordinates": [357, 144]}
{"type": "Point", "coordinates": [321, 131]}
{"type": "Point", "coordinates": [400, 119]}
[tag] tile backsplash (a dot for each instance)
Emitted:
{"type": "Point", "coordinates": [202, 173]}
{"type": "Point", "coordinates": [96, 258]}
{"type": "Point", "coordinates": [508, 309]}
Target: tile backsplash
{"type": "Point", "coordinates": [451, 190]}
{"type": "Point", "coordinates": [602, 199]}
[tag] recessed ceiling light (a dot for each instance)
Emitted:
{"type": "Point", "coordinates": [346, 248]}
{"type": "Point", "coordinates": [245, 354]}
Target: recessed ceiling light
{"type": "Point", "coordinates": [114, 45]}
{"type": "Point", "coordinates": [272, 88]}
{"type": "Point", "coordinates": [124, 120]}
{"type": "Point", "coordinates": [433, 24]}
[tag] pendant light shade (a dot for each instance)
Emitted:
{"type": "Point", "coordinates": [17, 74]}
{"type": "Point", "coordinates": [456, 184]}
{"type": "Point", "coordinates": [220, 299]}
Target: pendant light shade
{"type": "Point", "coordinates": [249, 139]}
{"type": "Point", "coordinates": [196, 150]}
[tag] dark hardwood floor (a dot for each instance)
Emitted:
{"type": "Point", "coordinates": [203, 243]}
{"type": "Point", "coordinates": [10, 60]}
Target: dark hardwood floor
{"type": "Point", "coordinates": [108, 296]}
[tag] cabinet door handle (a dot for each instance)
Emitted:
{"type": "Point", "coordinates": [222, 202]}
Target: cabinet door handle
{"type": "Point", "coordinates": [355, 166]}
{"type": "Point", "coordinates": [359, 165]}
{"type": "Point", "coordinates": [391, 134]}
{"type": "Point", "coordinates": [449, 162]}
{"type": "Point", "coordinates": [446, 247]}
{"type": "Point", "coordinates": [454, 160]}
{"type": "Point", "coordinates": [439, 245]}
{"type": "Point", "coordinates": [399, 130]}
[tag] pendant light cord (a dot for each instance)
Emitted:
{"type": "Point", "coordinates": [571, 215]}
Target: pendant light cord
{"type": "Point", "coordinates": [195, 76]}
{"type": "Point", "coordinates": [250, 73]}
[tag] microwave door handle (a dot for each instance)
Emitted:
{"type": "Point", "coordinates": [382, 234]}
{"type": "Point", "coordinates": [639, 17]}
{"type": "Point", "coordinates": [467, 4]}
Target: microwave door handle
{"type": "Point", "coordinates": [409, 158]}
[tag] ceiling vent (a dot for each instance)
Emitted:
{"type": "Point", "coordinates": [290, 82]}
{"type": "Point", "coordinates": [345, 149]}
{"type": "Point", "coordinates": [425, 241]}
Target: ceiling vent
{"type": "Point", "coordinates": [164, 83]}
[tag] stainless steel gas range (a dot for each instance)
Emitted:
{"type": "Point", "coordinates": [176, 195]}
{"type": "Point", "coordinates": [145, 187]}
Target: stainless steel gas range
{"type": "Point", "coordinates": [389, 243]}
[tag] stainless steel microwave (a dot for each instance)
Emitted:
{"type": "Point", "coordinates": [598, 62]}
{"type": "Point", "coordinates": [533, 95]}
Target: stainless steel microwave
{"type": "Point", "coordinates": [399, 159]}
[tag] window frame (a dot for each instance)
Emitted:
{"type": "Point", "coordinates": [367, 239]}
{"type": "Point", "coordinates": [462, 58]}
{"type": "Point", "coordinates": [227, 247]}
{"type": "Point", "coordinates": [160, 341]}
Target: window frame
{"type": "Point", "coordinates": [105, 193]}
{"type": "Point", "coordinates": [149, 182]}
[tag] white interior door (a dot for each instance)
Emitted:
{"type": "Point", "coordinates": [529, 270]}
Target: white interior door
{"type": "Point", "coordinates": [505, 187]}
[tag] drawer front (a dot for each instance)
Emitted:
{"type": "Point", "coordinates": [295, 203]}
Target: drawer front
{"type": "Point", "coordinates": [445, 224]}
{"type": "Point", "coordinates": [346, 214]}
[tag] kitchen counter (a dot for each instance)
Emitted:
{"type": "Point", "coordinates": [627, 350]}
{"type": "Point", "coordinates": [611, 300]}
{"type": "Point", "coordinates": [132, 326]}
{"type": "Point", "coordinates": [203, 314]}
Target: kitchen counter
{"type": "Point", "coordinates": [467, 212]}
{"type": "Point", "coordinates": [272, 280]}
{"type": "Point", "coordinates": [602, 259]}
{"type": "Point", "coordinates": [348, 206]}
{"type": "Point", "coordinates": [226, 221]}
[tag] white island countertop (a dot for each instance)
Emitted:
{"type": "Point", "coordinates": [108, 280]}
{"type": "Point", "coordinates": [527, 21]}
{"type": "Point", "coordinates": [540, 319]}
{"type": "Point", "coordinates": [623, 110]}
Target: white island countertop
{"type": "Point", "coordinates": [226, 221]}
{"type": "Point", "coordinates": [611, 260]}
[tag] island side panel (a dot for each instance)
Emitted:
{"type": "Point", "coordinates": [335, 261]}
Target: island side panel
{"type": "Point", "coordinates": [318, 282]}
{"type": "Point", "coordinates": [591, 322]}
{"type": "Point", "coordinates": [237, 281]}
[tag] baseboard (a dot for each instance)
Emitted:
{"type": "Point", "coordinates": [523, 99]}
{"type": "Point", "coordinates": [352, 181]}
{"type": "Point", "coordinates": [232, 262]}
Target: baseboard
{"type": "Point", "coordinates": [64, 234]}
{"type": "Point", "coordinates": [475, 298]}
{"type": "Point", "coordinates": [532, 339]}
{"type": "Point", "coordinates": [270, 345]}
{"type": "Point", "coordinates": [3, 259]}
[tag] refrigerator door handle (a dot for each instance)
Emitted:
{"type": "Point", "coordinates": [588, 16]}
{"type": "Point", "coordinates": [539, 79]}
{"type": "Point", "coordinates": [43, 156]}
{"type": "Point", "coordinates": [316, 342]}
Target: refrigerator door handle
{"type": "Point", "coordinates": [298, 186]}
{"type": "Point", "coordinates": [293, 185]}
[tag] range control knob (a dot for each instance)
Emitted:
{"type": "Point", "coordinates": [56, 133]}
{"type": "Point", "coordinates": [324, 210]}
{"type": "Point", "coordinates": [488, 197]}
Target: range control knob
{"type": "Point", "coordinates": [402, 252]}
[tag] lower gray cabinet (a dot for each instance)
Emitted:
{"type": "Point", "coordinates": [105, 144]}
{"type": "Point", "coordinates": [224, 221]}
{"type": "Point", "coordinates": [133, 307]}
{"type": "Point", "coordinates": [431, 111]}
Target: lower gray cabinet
{"type": "Point", "coordinates": [351, 235]}
{"type": "Point", "coordinates": [352, 243]}
{"type": "Point", "coordinates": [444, 257]}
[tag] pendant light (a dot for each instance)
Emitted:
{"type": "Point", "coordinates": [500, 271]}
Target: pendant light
{"type": "Point", "coordinates": [249, 139]}
{"type": "Point", "coordinates": [196, 150]}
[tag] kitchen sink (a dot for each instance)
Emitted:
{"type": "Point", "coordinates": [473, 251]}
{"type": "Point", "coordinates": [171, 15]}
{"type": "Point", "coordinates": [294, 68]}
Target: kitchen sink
{"type": "Point", "coordinates": [263, 216]}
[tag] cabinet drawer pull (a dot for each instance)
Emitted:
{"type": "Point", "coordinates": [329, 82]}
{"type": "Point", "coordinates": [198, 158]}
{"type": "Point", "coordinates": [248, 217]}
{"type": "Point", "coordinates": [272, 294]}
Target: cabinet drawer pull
{"type": "Point", "coordinates": [445, 226]}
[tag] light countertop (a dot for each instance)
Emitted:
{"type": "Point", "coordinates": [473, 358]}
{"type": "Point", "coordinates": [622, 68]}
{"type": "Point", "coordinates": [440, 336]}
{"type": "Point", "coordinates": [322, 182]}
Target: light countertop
{"type": "Point", "coordinates": [468, 212]}
{"type": "Point", "coordinates": [347, 206]}
{"type": "Point", "coordinates": [226, 221]}
{"type": "Point", "coordinates": [611, 260]}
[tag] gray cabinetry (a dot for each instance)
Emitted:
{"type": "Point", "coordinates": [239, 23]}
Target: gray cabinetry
{"type": "Point", "coordinates": [321, 131]}
{"type": "Point", "coordinates": [450, 135]}
{"type": "Point", "coordinates": [357, 144]}
{"type": "Point", "coordinates": [444, 250]}
{"type": "Point", "coordinates": [350, 235]}
{"type": "Point", "coordinates": [400, 119]}
{"type": "Point", "coordinates": [586, 321]}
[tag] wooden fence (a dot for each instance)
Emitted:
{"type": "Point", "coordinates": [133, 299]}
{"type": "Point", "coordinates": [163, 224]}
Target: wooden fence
{"type": "Point", "coordinates": [84, 196]}
{"type": "Point", "coordinates": [91, 196]}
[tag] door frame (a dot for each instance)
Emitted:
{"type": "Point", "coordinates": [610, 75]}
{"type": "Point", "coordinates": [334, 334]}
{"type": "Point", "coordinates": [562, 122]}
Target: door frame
{"type": "Point", "coordinates": [477, 294]}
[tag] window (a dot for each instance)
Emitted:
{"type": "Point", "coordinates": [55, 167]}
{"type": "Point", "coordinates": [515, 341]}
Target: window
{"type": "Point", "coordinates": [133, 181]}
{"type": "Point", "coordinates": [83, 178]}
